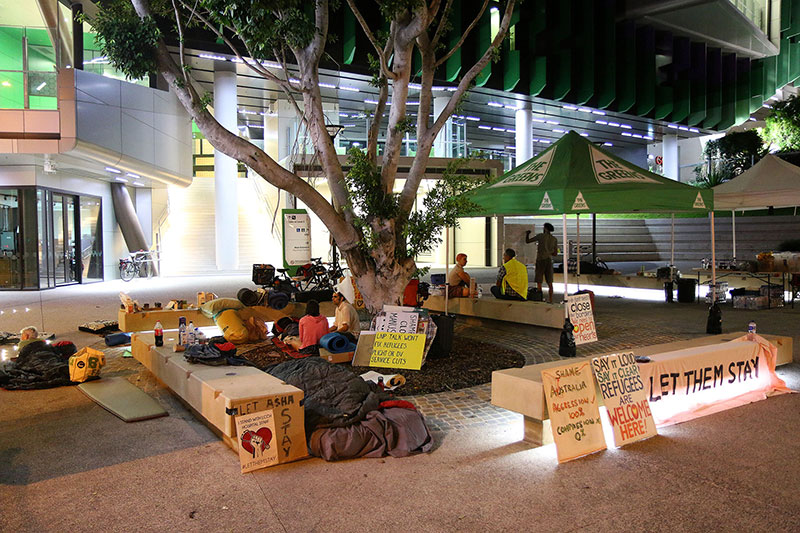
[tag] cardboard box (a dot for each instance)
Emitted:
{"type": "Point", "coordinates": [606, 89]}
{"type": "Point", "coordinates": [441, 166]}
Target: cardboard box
{"type": "Point", "coordinates": [346, 357]}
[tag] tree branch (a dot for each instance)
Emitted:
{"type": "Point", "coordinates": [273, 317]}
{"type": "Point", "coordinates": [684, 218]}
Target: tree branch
{"type": "Point", "coordinates": [421, 159]}
{"type": "Point", "coordinates": [442, 23]}
{"type": "Point", "coordinates": [463, 37]}
{"type": "Point", "coordinates": [180, 42]}
{"type": "Point", "coordinates": [384, 64]}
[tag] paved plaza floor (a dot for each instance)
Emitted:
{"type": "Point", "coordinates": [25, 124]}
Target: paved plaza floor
{"type": "Point", "coordinates": [68, 465]}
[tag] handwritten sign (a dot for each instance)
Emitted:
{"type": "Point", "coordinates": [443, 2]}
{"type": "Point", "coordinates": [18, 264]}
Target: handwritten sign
{"type": "Point", "coordinates": [582, 318]}
{"type": "Point", "coordinates": [397, 350]}
{"type": "Point", "coordinates": [257, 446]}
{"type": "Point", "coordinates": [398, 322]}
{"type": "Point", "coordinates": [625, 398]}
{"type": "Point", "coordinates": [574, 415]}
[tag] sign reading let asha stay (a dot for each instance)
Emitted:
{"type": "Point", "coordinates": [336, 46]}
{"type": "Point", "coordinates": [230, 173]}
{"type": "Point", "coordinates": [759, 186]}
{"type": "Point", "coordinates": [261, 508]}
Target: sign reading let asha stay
{"type": "Point", "coordinates": [625, 398]}
{"type": "Point", "coordinates": [582, 318]}
{"type": "Point", "coordinates": [397, 350]}
{"type": "Point", "coordinates": [574, 415]}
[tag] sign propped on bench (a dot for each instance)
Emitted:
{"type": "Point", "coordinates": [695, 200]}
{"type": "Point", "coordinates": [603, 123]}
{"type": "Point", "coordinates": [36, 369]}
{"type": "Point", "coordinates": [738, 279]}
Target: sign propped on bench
{"type": "Point", "coordinates": [574, 415]}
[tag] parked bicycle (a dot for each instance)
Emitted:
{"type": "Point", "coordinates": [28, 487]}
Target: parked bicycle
{"type": "Point", "coordinates": [138, 264]}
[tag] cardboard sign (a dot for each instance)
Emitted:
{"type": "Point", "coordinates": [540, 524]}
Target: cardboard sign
{"type": "Point", "coordinates": [574, 415]}
{"type": "Point", "coordinates": [397, 350]}
{"type": "Point", "coordinates": [398, 322]}
{"type": "Point", "coordinates": [625, 398]}
{"type": "Point", "coordinates": [256, 435]}
{"type": "Point", "coordinates": [296, 237]}
{"type": "Point", "coordinates": [582, 318]}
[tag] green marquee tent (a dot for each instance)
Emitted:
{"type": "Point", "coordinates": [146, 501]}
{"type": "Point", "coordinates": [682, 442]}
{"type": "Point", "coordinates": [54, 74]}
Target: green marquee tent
{"type": "Point", "coordinates": [574, 176]}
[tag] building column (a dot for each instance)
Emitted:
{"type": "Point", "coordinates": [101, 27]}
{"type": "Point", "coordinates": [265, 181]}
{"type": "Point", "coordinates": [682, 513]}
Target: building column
{"type": "Point", "coordinates": [442, 146]}
{"type": "Point", "coordinates": [671, 157]}
{"type": "Point", "coordinates": [524, 133]}
{"type": "Point", "coordinates": [226, 208]}
{"type": "Point", "coordinates": [77, 36]}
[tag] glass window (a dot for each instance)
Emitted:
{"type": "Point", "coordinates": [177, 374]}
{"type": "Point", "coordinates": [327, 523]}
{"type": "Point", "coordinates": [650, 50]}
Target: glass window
{"type": "Point", "coordinates": [10, 259]}
{"type": "Point", "coordinates": [28, 237]}
{"type": "Point", "coordinates": [91, 247]}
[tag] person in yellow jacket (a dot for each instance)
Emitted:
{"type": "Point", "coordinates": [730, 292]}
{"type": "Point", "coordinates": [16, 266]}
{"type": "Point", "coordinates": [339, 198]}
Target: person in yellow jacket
{"type": "Point", "coordinates": [512, 278]}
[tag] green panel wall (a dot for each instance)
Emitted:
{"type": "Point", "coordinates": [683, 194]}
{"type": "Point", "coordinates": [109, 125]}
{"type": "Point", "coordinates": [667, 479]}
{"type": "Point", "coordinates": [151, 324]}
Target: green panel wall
{"type": "Point", "coordinates": [742, 90]}
{"type": "Point", "coordinates": [348, 36]}
{"type": "Point", "coordinates": [645, 70]}
{"type": "Point", "coordinates": [728, 117]}
{"type": "Point", "coordinates": [713, 88]}
{"type": "Point", "coordinates": [626, 76]}
{"type": "Point", "coordinates": [697, 77]}
{"type": "Point", "coordinates": [605, 72]}
{"type": "Point", "coordinates": [757, 73]}
{"type": "Point", "coordinates": [484, 31]}
{"type": "Point", "coordinates": [452, 66]}
{"type": "Point", "coordinates": [583, 59]}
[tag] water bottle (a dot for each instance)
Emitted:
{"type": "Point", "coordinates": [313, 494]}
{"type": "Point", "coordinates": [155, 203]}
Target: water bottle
{"type": "Point", "coordinates": [751, 331]}
{"type": "Point", "coordinates": [182, 331]}
{"type": "Point", "coordinates": [199, 336]}
{"type": "Point", "coordinates": [158, 333]}
{"type": "Point", "coordinates": [480, 291]}
{"type": "Point", "coordinates": [190, 338]}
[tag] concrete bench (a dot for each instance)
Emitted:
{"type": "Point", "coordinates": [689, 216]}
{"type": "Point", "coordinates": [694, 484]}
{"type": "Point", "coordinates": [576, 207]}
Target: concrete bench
{"type": "Point", "coordinates": [520, 389]}
{"type": "Point", "coordinates": [217, 394]}
{"type": "Point", "coordinates": [489, 307]}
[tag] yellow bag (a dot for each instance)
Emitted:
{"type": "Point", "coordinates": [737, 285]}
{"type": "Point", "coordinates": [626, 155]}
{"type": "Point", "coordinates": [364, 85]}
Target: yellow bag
{"type": "Point", "coordinates": [232, 326]}
{"type": "Point", "coordinates": [86, 364]}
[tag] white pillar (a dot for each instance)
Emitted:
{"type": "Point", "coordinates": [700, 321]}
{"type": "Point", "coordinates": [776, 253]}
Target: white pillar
{"type": "Point", "coordinates": [524, 133]}
{"type": "Point", "coordinates": [144, 212]}
{"type": "Point", "coordinates": [442, 146]}
{"type": "Point", "coordinates": [226, 206]}
{"type": "Point", "coordinates": [671, 156]}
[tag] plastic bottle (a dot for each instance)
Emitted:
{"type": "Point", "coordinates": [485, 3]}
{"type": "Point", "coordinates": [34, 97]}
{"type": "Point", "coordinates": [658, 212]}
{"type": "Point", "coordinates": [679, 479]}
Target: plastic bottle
{"type": "Point", "coordinates": [751, 330]}
{"type": "Point", "coordinates": [199, 336]}
{"type": "Point", "coordinates": [380, 383]}
{"type": "Point", "coordinates": [182, 330]}
{"type": "Point", "coordinates": [480, 291]}
{"type": "Point", "coordinates": [190, 338]}
{"type": "Point", "coordinates": [158, 333]}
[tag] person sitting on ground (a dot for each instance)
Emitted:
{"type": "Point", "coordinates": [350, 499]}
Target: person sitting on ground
{"type": "Point", "coordinates": [313, 327]}
{"type": "Point", "coordinates": [512, 278]}
{"type": "Point", "coordinates": [346, 321]}
{"type": "Point", "coordinates": [547, 247]}
{"type": "Point", "coordinates": [458, 280]}
{"type": "Point", "coordinates": [28, 335]}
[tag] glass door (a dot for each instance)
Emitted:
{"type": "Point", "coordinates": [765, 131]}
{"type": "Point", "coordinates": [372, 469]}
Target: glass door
{"type": "Point", "coordinates": [91, 241]}
{"type": "Point", "coordinates": [10, 254]}
{"type": "Point", "coordinates": [64, 240]}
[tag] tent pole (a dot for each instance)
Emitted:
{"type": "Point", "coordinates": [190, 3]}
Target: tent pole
{"type": "Point", "coordinates": [594, 237]}
{"type": "Point", "coordinates": [733, 223]}
{"type": "Point", "coordinates": [578, 250]}
{"type": "Point", "coordinates": [672, 238]}
{"type": "Point", "coordinates": [446, 266]}
{"type": "Point", "coordinates": [713, 262]}
{"type": "Point", "coordinates": [565, 248]}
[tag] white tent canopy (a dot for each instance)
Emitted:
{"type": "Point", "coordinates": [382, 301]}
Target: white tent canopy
{"type": "Point", "coordinates": [772, 182]}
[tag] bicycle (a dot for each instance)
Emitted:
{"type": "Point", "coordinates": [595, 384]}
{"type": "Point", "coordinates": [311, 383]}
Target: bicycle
{"type": "Point", "coordinates": [138, 263]}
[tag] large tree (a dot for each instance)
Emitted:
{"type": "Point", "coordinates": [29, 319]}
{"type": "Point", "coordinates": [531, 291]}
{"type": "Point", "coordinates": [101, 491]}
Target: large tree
{"type": "Point", "coordinates": [377, 230]}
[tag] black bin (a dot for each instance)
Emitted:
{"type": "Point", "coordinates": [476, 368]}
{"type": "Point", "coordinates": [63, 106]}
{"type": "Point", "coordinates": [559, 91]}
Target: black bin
{"type": "Point", "coordinates": [686, 290]}
{"type": "Point", "coordinates": [263, 274]}
{"type": "Point", "coordinates": [443, 342]}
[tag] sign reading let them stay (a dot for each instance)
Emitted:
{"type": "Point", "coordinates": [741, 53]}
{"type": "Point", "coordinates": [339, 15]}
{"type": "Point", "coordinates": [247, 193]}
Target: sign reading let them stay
{"type": "Point", "coordinates": [397, 350]}
{"type": "Point", "coordinates": [582, 318]}
{"type": "Point", "coordinates": [257, 446]}
{"type": "Point", "coordinates": [624, 397]}
{"type": "Point", "coordinates": [574, 415]}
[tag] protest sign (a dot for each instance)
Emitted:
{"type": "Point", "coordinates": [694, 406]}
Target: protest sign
{"type": "Point", "coordinates": [574, 415]}
{"type": "Point", "coordinates": [257, 447]}
{"type": "Point", "coordinates": [624, 397]}
{"type": "Point", "coordinates": [582, 318]}
{"type": "Point", "coordinates": [397, 350]}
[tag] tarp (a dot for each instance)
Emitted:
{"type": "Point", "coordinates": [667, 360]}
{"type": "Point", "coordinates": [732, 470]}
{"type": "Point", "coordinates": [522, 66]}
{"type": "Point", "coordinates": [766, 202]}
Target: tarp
{"type": "Point", "coordinates": [770, 182]}
{"type": "Point", "coordinates": [574, 176]}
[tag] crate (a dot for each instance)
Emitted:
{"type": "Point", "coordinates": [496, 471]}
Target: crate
{"type": "Point", "coordinates": [721, 290]}
{"type": "Point", "coordinates": [774, 291]}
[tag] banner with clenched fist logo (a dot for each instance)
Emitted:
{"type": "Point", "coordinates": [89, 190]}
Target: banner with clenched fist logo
{"type": "Point", "coordinates": [256, 434]}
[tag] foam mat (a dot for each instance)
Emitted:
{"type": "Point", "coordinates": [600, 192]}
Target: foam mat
{"type": "Point", "coordinates": [123, 399]}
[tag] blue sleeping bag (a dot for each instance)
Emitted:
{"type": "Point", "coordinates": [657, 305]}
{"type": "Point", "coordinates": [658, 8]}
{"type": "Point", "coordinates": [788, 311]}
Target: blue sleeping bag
{"type": "Point", "coordinates": [277, 299]}
{"type": "Point", "coordinates": [336, 343]}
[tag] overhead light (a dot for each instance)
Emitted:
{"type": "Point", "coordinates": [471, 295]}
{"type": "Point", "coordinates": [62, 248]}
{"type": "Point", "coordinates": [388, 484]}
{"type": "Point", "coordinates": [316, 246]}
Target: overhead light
{"type": "Point", "coordinates": [607, 144]}
{"type": "Point", "coordinates": [683, 128]}
{"type": "Point", "coordinates": [132, 175]}
{"type": "Point", "coordinates": [626, 134]}
{"type": "Point", "coordinates": [327, 85]}
{"type": "Point", "coordinates": [596, 112]}
{"type": "Point", "coordinates": [584, 134]}
{"type": "Point", "coordinates": [348, 88]}
{"type": "Point", "coordinates": [236, 60]}
{"type": "Point", "coordinates": [694, 130]}
{"type": "Point", "coordinates": [584, 110]}
{"type": "Point", "coordinates": [41, 86]}
{"type": "Point", "coordinates": [138, 183]}
{"type": "Point", "coordinates": [556, 130]}
{"type": "Point", "coordinates": [553, 122]}
{"type": "Point", "coordinates": [271, 64]}
{"type": "Point", "coordinates": [495, 104]}
{"type": "Point", "coordinates": [415, 86]}
{"type": "Point", "coordinates": [119, 178]}
{"type": "Point", "coordinates": [614, 124]}
{"type": "Point", "coordinates": [494, 10]}
{"type": "Point", "coordinates": [538, 120]}
{"type": "Point", "coordinates": [570, 107]}
{"type": "Point", "coordinates": [510, 130]}
{"type": "Point", "coordinates": [514, 107]}
{"type": "Point", "coordinates": [482, 127]}
{"type": "Point", "coordinates": [371, 102]}
{"type": "Point", "coordinates": [412, 102]}
{"type": "Point", "coordinates": [345, 115]}
{"type": "Point", "coordinates": [603, 122]}
{"type": "Point", "coordinates": [214, 57]}
{"type": "Point", "coordinates": [474, 119]}
{"type": "Point", "coordinates": [673, 126]}
{"type": "Point", "coordinates": [113, 170]}
{"type": "Point", "coordinates": [511, 147]}
{"type": "Point", "coordinates": [625, 126]}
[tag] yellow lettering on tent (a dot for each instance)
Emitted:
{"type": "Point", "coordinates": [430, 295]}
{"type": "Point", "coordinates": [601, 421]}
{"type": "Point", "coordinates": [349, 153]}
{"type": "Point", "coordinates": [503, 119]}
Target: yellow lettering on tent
{"type": "Point", "coordinates": [607, 170]}
{"type": "Point", "coordinates": [532, 174]}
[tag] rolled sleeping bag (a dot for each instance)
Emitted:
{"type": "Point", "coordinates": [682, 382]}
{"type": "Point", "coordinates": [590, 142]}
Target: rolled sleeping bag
{"type": "Point", "coordinates": [118, 339]}
{"type": "Point", "coordinates": [233, 329]}
{"type": "Point", "coordinates": [277, 299]}
{"type": "Point", "coordinates": [335, 343]}
{"type": "Point", "coordinates": [247, 296]}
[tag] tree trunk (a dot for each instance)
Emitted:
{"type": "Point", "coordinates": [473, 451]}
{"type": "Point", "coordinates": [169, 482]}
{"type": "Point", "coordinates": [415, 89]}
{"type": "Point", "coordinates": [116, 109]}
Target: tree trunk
{"type": "Point", "coordinates": [380, 277]}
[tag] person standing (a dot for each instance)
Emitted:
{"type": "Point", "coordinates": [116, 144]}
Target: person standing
{"type": "Point", "coordinates": [512, 278]}
{"type": "Point", "coordinates": [346, 320]}
{"type": "Point", "coordinates": [547, 247]}
{"type": "Point", "coordinates": [458, 280]}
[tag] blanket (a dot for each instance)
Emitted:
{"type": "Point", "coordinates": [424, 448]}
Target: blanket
{"type": "Point", "coordinates": [38, 366]}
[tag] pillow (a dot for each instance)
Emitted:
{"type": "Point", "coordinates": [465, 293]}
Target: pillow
{"type": "Point", "coordinates": [215, 307]}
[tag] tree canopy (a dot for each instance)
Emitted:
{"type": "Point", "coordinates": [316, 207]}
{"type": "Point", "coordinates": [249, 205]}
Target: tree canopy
{"type": "Point", "coordinates": [378, 230]}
